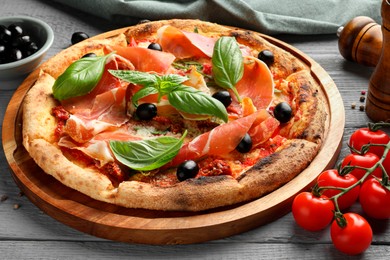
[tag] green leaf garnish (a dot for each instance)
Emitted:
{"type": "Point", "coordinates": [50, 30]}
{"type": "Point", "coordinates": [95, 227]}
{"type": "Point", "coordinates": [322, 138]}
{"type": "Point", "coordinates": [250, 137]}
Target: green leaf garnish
{"type": "Point", "coordinates": [136, 77]}
{"type": "Point", "coordinates": [183, 98]}
{"type": "Point", "coordinates": [227, 64]}
{"type": "Point", "coordinates": [196, 102]}
{"type": "Point", "coordinates": [80, 78]}
{"type": "Point", "coordinates": [147, 155]}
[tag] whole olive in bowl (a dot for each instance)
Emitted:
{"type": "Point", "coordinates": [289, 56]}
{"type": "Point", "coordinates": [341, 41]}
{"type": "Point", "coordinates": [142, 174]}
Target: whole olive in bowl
{"type": "Point", "coordinates": [24, 41]}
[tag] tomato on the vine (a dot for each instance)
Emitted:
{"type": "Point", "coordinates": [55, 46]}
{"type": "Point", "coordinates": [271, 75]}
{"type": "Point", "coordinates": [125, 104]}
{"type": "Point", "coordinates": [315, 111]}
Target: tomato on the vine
{"type": "Point", "coordinates": [334, 179]}
{"type": "Point", "coordinates": [366, 160]}
{"type": "Point", "coordinates": [355, 237]}
{"type": "Point", "coordinates": [311, 212]}
{"type": "Point", "coordinates": [375, 199]}
{"type": "Point", "coordinates": [364, 136]}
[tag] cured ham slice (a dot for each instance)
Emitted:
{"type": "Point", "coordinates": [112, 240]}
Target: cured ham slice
{"type": "Point", "coordinates": [256, 83]}
{"type": "Point", "coordinates": [146, 60]}
{"type": "Point", "coordinates": [98, 147]}
{"type": "Point", "coordinates": [104, 107]}
{"type": "Point", "coordinates": [225, 138]}
{"type": "Point", "coordinates": [185, 44]}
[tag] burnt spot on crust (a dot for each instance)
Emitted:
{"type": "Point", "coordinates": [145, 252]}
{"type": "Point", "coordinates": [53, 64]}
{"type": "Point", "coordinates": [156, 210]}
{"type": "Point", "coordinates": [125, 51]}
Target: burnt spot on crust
{"type": "Point", "coordinates": [146, 28]}
{"type": "Point", "coordinates": [317, 136]}
{"type": "Point", "coordinates": [261, 164]}
{"type": "Point", "coordinates": [305, 87]}
{"type": "Point", "coordinates": [207, 180]}
{"type": "Point", "coordinates": [302, 98]}
{"type": "Point", "coordinates": [303, 135]}
{"type": "Point", "coordinates": [248, 38]}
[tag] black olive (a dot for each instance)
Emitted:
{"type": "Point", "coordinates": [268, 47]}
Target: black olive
{"type": "Point", "coordinates": [146, 111]}
{"type": "Point", "coordinates": [15, 55]}
{"type": "Point", "coordinates": [32, 47]}
{"type": "Point", "coordinates": [186, 170]}
{"type": "Point", "coordinates": [3, 57]}
{"type": "Point", "coordinates": [266, 56]}
{"type": "Point", "coordinates": [78, 37]}
{"type": "Point", "coordinates": [15, 30]}
{"type": "Point", "coordinates": [155, 46]}
{"type": "Point", "coordinates": [91, 54]}
{"type": "Point", "coordinates": [5, 34]}
{"type": "Point", "coordinates": [29, 49]}
{"type": "Point", "coordinates": [224, 97]}
{"type": "Point", "coordinates": [245, 144]}
{"type": "Point", "coordinates": [2, 51]}
{"type": "Point", "coordinates": [283, 112]}
{"type": "Point", "coordinates": [21, 41]}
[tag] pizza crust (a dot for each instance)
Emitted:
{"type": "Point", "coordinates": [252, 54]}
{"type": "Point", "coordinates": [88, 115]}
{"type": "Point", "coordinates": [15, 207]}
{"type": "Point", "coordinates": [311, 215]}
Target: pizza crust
{"type": "Point", "coordinates": [38, 123]}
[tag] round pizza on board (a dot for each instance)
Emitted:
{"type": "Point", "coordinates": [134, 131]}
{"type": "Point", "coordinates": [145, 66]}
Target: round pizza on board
{"type": "Point", "coordinates": [180, 115]}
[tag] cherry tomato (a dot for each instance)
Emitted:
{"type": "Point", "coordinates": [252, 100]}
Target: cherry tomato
{"type": "Point", "coordinates": [367, 161]}
{"type": "Point", "coordinates": [375, 199]}
{"type": "Point", "coordinates": [364, 136]}
{"type": "Point", "coordinates": [334, 179]}
{"type": "Point", "coordinates": [355, 237]}
{"type": "Point", "coordinates": [312, 213]}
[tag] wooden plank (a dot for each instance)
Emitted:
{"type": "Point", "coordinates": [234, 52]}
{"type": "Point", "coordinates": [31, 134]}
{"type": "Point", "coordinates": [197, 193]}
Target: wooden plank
{"type": "Point", "coordinates": [218, 250]}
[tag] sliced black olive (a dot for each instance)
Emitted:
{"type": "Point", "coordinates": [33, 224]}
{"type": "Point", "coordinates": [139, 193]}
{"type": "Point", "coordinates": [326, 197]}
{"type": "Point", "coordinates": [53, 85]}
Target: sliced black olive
{"type": "Point", "coordinates": [78, 37]}
{"type": "Point", "coordinates": [266, 56]}
{"type": "Point", "coordinates": [155, 46]}
{"type": "Point", "coordinates": [146, 111]}
{"type": "Point", "coordinates": [91, 54]}
{"type": "Point", "coordinates": [224, 97]}
{"type": "Point", "coordinates": [187, 169]}
{"type": "Point", "coordinates": [283, 112]}
{"type": "Point", "coordinates": [245, 145]}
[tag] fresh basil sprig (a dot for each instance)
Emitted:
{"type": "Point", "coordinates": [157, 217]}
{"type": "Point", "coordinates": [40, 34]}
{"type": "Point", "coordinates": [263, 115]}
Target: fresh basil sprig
{"type": "Point", "coordinates": [183, 98]}
{"type": "Point", "coordinates": [80, 77]}
{"type": "Point", "coordinates": [147, 155]}
{"type": "Point", "coordinates": [227, 64]}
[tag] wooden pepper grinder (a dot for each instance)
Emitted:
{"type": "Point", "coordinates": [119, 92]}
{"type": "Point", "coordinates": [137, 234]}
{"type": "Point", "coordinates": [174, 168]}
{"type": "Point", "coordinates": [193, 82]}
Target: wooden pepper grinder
{"type": "Point", "coordinates": [378, 97]}
{"type": "Point", "coordinates": [360, 40]}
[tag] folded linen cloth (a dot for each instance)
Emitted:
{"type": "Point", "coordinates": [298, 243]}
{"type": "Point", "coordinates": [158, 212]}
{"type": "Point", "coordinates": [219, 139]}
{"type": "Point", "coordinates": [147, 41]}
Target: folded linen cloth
{"type": "Point", "coordinates": [266, 16]}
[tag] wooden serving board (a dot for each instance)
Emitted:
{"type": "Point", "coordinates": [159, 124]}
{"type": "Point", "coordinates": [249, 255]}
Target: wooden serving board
{"type": "Point", "coordinates": [158, 227]}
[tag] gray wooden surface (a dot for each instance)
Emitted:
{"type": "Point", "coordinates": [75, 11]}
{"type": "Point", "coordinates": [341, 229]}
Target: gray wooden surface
{"type": "Point", "coordinates": [27, 233]}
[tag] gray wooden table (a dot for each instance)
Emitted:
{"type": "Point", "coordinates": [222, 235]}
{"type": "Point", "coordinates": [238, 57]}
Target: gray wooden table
{"type": "Point", "coordinates": [28, 233]}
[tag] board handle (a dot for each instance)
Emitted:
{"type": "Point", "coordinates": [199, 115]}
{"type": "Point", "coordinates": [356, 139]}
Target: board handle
{"type": "Point", "coordinates": [360, 40]}
{"type": "Point", "coordinates": [378, 97]}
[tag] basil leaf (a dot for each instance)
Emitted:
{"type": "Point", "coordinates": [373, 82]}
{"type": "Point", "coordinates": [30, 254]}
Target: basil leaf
{"type": "Point", "coordinates": [136, 77]}
{"type": "Point", "coordinates": [173, 79]}
{"type": "Point", "coordinates": [193, 101]}
{"type": "Point", "coordinates": [227, 64]}
{"type": "Point", "coordinates": [147, 155]}
{"type": "Point", "coordinates": [143, 93]}
{"type": "Point", "coordinates": [80, 77]}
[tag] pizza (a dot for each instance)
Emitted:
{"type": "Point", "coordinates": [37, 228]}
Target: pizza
{"type": "Point", "coordinates": [174, 115]}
